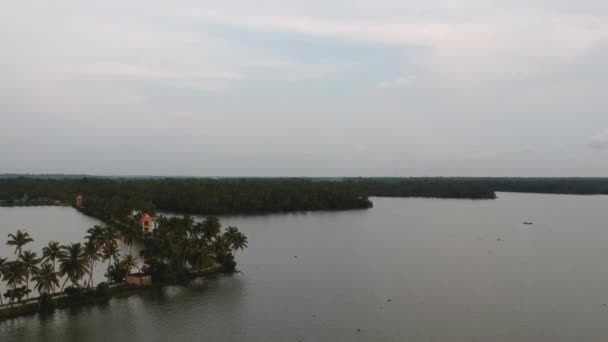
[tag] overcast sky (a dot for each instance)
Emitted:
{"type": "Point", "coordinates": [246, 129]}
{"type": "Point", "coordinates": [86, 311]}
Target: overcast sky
{"type": "Point", "coordinates": [305, 88]}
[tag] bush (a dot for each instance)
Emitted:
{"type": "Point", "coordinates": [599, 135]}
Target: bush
{"type": "Point", "coordinates": [47, 304]}
{"type": "Point", "coordinates": [74, 294]}
{"type": "Point", "coordinates": [102, 290]}
{"type": "Point", "coordinates": [229, 264]}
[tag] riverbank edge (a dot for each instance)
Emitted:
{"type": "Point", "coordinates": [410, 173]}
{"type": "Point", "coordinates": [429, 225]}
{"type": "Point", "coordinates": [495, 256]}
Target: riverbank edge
{"type": "Point", "coordinates": [63, 301]}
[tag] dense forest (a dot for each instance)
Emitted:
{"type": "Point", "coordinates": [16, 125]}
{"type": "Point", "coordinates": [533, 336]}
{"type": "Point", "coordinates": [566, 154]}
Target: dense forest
{"type": "Point", "coordinates": [114, 198]}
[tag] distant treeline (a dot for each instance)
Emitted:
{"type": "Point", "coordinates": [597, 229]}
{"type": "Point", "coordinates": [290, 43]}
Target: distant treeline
{"type": "Point", "coordinates": [114, 199]}
{"type": "Point", "coordinates": [108, 197]}
{"type": "Point", "coordinates": [422, 187]}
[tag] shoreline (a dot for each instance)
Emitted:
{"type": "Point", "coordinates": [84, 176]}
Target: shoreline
{"type": "Point", "coordinates": [92, 296]}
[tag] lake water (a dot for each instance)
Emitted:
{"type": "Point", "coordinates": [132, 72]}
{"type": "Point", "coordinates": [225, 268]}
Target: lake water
{"type": "Point", "coordinates": [406, 270]}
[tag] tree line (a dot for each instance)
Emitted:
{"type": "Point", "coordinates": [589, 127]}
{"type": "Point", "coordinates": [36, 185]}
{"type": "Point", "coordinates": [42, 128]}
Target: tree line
{"type": "Point", "coordinates": [104, 197]}
{"type": "Point", "coordinates": [109, 199]}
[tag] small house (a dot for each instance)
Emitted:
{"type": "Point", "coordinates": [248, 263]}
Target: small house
{"type": "Point", "coordinates": [139, 279]}
{"type": "Point", "coordinates": [79, 201]}
{"type": "Point", "coordinates": [147, 224]}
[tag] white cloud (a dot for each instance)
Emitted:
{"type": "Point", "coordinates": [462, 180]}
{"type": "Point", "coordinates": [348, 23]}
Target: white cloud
{"type": "Point", "coordinates": [400, 82]}
{"type": "Point", "coordinates": [599, 141]}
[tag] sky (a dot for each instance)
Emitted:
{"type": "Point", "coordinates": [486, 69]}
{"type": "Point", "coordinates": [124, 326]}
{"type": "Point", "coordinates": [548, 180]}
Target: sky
{"type": "Point", "coordinates": [304, 88]}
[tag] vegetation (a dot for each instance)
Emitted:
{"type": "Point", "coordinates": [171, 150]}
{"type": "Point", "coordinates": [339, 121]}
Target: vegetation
{"type": "Point", "coordinates": [178, 250]}
{"type": "Point", "coordinates": [113, 200]}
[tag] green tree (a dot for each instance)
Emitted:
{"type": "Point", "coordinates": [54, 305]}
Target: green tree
{"type": "Point", "coordinates": [19, 240]}
{"type": "Point", "coordinates": [13, 274]}
{"type": "Point", "coordinates": [128, 262]}
{"type": "Point", "coordinates": [96, 235]}
{"type": "Point", "coordinates": [73, 265]}
{"type": "Point", "coordinates": [130, 234]}
{"type": "Point", "coordinates": [46, 279]}
{"type": "Point", "coordinates": [30, 263]}
{"type": "Point", "coordinates": [238, 241]}
{"type": "Point", "coordinates": [52, 252]}
{"type": "Point", "coordinates": [91, 255]}
{"type": "Point", "coordinates": [2, 265]}
{"type": "Point", "coordinates": [110, 252]}
{"type": "Point", "coordinates": [211, 227]}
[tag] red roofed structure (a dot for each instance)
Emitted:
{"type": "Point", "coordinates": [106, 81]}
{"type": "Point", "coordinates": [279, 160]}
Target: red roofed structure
{"type": "Point", "coordinates": [79, 201]}
{"type": "Point", "coordinates": [147, 223]}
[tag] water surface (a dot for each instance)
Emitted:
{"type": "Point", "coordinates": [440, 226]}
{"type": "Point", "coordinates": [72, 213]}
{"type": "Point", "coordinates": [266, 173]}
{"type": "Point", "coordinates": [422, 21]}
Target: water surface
{"type": "Point", "coordinates": [406, 270]}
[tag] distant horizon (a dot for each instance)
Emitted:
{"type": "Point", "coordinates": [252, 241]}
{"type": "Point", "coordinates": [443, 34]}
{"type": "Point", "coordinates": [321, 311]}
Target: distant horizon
{"type": "Point", "coordinates": [83, 175]}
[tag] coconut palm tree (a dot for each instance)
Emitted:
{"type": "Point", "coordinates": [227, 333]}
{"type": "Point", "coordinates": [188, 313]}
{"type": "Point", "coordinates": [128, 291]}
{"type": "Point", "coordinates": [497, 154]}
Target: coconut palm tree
{"type": "Point", "coordinates": [92, 256]}
{"type": "Point", "coordinates": [13, 274]}
{"type": "Point", "coordinates": [46, 279]}
{"type": "Point", "coordinates": [221, 246]}
{"type": "Point", "coordinates": [52, 252]}
{"type": "Point", "coordinates": [19, 240]}
{"type": "Point", "coordinates": [30, 263]}
{"type": "Point", "coordinates": [239, 241]}
{"type": "Point", "coordinates": [110, 252]}
{"type": "Point", "coordinates": [96, 234]}
{"type": "Point", "coordinates": [110, 235]}
{"type": "Point", "coordinates": [73, 264]}
{"type": "Point", "coordinates": [128, 262]}
{"type": "Point", "coordinates": [211, 227]}
{"type": "Point", "coordinates": [2, 262]}
{"type": "Point", "coordinates": [231, 232]}
{"type": "Point", "coordinates": [130, 234]}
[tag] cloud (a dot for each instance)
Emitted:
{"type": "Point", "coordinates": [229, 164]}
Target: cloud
{"type": "Point", "coordinates": [599, 141]}
{"type": "Point", "coordinates": [400, 82]}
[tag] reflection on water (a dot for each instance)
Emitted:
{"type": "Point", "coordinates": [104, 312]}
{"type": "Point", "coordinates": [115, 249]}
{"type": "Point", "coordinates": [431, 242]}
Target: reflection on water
{"type": "Point", "coordinates": [408, 269]}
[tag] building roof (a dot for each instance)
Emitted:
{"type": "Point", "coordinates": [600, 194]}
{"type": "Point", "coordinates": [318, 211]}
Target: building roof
{"type": "Point", "coordinates": [146, 218]}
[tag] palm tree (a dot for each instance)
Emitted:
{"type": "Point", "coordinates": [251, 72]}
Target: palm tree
{"type": "Point", "coordinates": [221, 246]}
{"type": "Point", "coordinates": [92, 256]}
{"type": "Point", "coordinates": [30, 263]}
{"type": "Point", "coordinates": [239, 241]}
{"type": "Point", "coordinates": [19, 240]}
{"type": "Point", "coordinates": [46, 279]}
{"type": "Point", "coordinates": [110, 235]}
{"type": "Point", "coordinates": [96, 235]}
{"type": "Point", "coordinates": [130, 234]}
{"type": "Point", "coordinates": [52, 252]}
{"type": "Point", "coordinates": [73, 264]}
{"type": "Point", "coordinates": [211, 227]}
{"type": "Point", "coordinates": [110, 251]}
{"type": "Point", "coordinates": [13, 274]}
{"type": "Point", "coordinates": [128, 262]}
{"type": "Point", "coordinates": [2, 262]}
{"type": "Point", "coordinates": [231, 232]}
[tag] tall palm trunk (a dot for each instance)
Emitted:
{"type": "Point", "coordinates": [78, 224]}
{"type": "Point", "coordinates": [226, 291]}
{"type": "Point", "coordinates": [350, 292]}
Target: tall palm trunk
{"type": "Point", "coordinates": [54, 270]}
{"type": "Point", "coordinates": [65, 282]}
{"type": "Point", "coordinates": [13, 293]}
{"type": "Point", "coordinates": [27, 286]}
{"type": "Point", "coordinates": [91, 273]}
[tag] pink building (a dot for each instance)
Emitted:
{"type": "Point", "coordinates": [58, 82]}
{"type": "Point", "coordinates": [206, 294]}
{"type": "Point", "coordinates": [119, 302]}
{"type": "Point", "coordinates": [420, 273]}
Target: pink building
{"type": "Point", "coordinates": [147, 224]}
{"type": "Point", "coordinates": [139, 279]}
{"type": "Point", "coordinates": [79, 201]}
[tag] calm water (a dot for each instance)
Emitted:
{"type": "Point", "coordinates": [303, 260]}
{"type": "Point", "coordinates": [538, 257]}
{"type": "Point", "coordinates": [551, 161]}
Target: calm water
{"type": "Point", "coordinates": [406, 270]}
